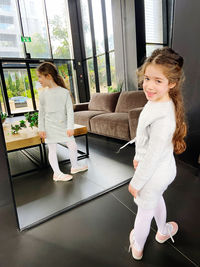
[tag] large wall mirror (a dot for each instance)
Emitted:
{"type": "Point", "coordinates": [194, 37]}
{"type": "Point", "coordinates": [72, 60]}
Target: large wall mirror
{"type": "Point", "coordinates": [37, 197]}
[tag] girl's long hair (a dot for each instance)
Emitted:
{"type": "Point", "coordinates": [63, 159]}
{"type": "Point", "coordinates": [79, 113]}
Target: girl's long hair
{"type": "Point", "coordinates": [172, 64]}
{"type": "Point", "coordinates": [49, 68]}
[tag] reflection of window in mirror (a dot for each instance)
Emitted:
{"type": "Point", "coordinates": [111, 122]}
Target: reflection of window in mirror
{"type": "Point", "coordinates": [153, 25]}
{"type": "Point", "coordinates": [97, 27]}
{"type": "Point", "coordinates": [18, 89]}
{"type": "Point", "coordinates": [2, 101]}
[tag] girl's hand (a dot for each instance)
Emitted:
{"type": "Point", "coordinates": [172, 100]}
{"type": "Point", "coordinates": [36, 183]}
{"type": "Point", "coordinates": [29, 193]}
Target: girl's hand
{"type": "Point", "coordinates": [133, 191]}
{"type": "Point", "coordinates": [70, 133]}
{"type": "Point", "coordinates": [42, 135]}
{"type": "Point", "coordinates": [135, 164]}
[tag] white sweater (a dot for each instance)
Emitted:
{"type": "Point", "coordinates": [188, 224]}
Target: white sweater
{"type": "Point", "coordinates": [56, 114]}
{"type": "Point", "coordinates": [154, 152]}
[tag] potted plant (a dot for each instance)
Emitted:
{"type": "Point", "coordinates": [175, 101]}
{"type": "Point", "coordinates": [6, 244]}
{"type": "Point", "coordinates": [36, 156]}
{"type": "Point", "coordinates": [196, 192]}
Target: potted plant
{"type": "Point", "coordinates": [15, 129]}
{"type": "Point", "coordinates": [32, 118]}
{"type": "Point", "coordinates": [3, 116]}
{"type": "Point", "coordinates": [112, 89]}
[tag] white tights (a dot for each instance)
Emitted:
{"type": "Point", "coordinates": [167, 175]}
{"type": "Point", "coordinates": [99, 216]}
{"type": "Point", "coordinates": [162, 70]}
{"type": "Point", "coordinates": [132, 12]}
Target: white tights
{"type": "Point", "coordinates": [53, 160]}
{"type": "Point", "coordinates": [143, 222]}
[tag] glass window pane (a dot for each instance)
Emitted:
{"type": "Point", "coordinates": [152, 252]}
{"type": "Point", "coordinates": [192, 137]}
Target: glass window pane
{"type": "Point", "coordinates": [59, 26]}
{"type": "Point", "coordinates": [65, 70]}
{"type": "Point", "coordinates": [86, 27]}
{"type": "Point", "coordinates": [98, 26]}
{"type": "Point", "coordinates": [91, 76]}
{"type": "Point", "coordinates": [34, 25]}
{"type": "Point", "coordinates": [102, 74]}
{"type": "Point", "coordinates": [2, 102]}
{"type": "Point", "coordinates": [18, 90]}
{"type": "Point", "coordinates": [153, 21]}
{"type": "Point", "coordinates": [10, 33]}
{"type": "Point", "coordinates": [36, 85]}
{"type": "Point", "coordinates": [114, 86]}
{"type": "Point", "coordinates": [109, 24]}
{"type": "Point", "coordinates": [151, 48]}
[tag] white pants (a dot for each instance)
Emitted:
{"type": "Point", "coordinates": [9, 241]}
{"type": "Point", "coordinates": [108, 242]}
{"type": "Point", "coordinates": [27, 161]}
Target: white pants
{"type": "Point", "coordinates": [53, 160]}
{"type": "Point", "coordinates": [143, 223]}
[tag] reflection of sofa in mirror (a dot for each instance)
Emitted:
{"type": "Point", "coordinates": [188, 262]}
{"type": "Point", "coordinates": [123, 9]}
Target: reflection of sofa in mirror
{"type": "Point", "coordinates": [111, 114]}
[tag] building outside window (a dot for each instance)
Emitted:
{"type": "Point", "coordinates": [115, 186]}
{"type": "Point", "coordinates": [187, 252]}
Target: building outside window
{"type": "Point", "coordinates": [10, 33]}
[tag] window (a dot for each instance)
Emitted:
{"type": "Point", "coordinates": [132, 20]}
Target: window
{"type": "Point", "coordinates": [59, 26]}
{"type": "Point", "coordinates": [109, 24]}
{"type": "Point", "coordinates": [66, 71]}
{"type": "Point", "coordinates": [10, 32]}
{"type": "Point", "coordinates": [86, 28]}
{"type": "Point", "coordinates": [8, 40]}
{"type": "Point", "coordinates": [18, 90]}
{"type": "Point", "coordinates": [91, 76]}
{"type": "Point", "coordinates": [98, 26]}
{"type": "Point", "coordinates": [102, 74]}
{"type": "Point", "coordinates": [153, 25]}
{"type": "Point", "coordinates": [6, 19]}
{"type": "Point", "coordinates": [5, 5]}
{"type": "Point", "coordinates": [2, 102]}
{"type": "Point", "coordinates": [36, 84]}
{"type": "Point", "coordinates": [34, 26]}
{"type": "Point", "coordinates": [97, 29]}
{"type": "Point", "coordinates": [113, 72]}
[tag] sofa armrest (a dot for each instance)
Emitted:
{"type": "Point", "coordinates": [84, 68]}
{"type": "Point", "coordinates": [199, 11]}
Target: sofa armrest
{"type": "Point", "coordinates": [133, 116]}
{"type": "Point", "coordinates": [81, 106]}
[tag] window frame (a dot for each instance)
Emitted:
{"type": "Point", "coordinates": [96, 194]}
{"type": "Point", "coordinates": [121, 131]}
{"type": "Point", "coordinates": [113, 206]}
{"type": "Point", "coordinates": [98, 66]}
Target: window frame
{"type": "Point", "coordinates": [95, 56]}
{"type": "Point", "coordinates": [28, 68]}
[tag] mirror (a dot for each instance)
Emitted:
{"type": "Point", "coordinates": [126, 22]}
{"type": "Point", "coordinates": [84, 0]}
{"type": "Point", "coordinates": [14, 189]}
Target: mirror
{"type": "Point", "coordinates": [37, 196]}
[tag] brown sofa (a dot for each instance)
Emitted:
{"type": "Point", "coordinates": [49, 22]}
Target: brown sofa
{"type": "Point", "coordinates": [111, 114]}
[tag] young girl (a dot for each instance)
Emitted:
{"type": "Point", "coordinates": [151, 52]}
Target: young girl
{"type": "Point", "coordinates": [56, 119]}
{"type": "Point", "coordinates": [160, 132]}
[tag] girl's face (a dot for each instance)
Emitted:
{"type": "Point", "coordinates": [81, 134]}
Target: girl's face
{"type": "Point", "coordinates": [43, 80]}
{"type": "Point", "coordinates": [156, 86]}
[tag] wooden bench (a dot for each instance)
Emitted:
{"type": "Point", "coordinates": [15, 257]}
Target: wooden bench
{"type": "Point", "coordinates": [29, 138]}
{"type": "Point", "coordinates": [26, 138]}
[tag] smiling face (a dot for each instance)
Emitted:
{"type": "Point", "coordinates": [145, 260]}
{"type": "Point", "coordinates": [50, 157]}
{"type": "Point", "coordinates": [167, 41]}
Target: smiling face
{"type": "Point", "coordinates": [155, 84]}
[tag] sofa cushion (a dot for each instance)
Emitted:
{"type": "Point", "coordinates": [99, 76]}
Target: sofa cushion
{"type": "Point", "coordinates": [115, 125]}
{"type": "Point", "coordinates": [83, 117]}
{"type": "Point", "coordinates": [103, 102]}
{"type": "Point", "coordinates": [133, 116]}
{"type": "Point", "coordinates": [130, 100]}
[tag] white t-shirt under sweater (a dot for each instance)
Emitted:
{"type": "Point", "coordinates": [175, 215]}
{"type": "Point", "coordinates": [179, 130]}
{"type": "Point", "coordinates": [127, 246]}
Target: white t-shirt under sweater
{"type": "Point", "coordinates": [154, 152]}
{"type": "Point", "coordinates": [56, 114]}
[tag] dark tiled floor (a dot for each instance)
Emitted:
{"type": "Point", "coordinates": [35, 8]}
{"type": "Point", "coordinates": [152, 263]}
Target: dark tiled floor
{"type": "Point", "coordinates": [38, 197]}
{"type": "Point", "coordinates": [96, 233]}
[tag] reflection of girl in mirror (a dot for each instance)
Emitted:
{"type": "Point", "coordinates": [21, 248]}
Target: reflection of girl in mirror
{"type": "Point", "coordinates": [160, 132]}
{"type": "Point", "coordinates": [56, 119]}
